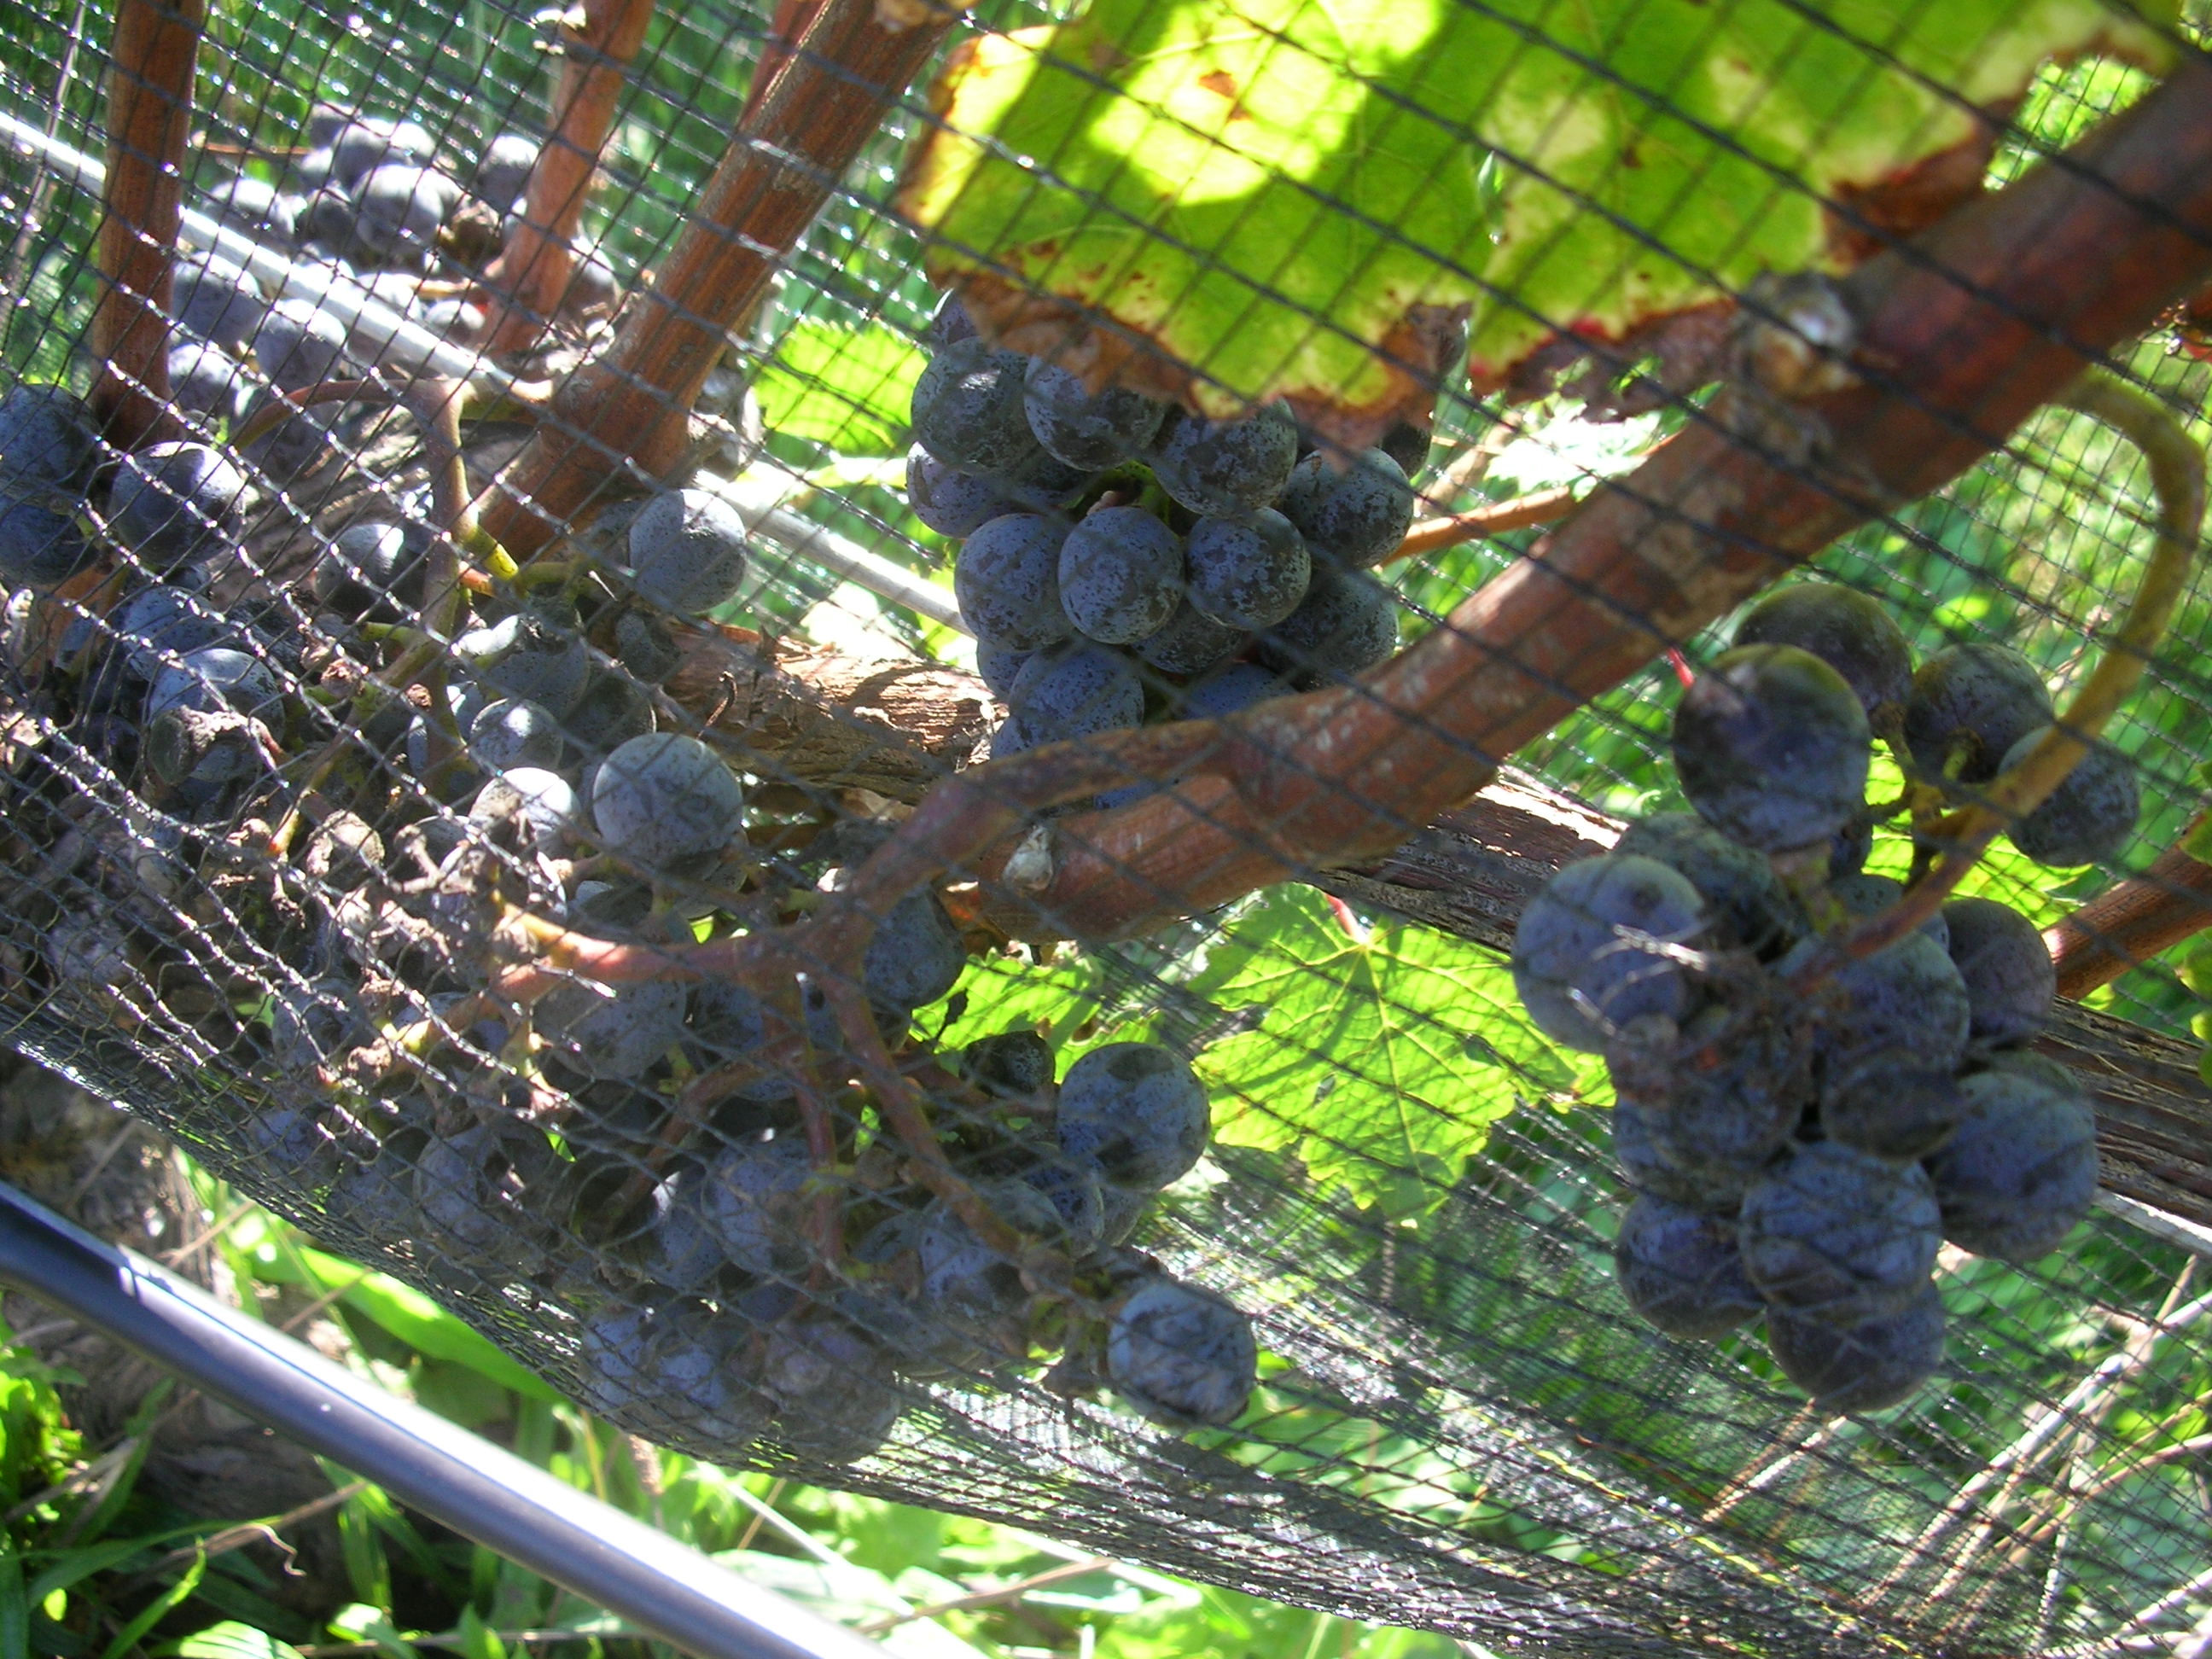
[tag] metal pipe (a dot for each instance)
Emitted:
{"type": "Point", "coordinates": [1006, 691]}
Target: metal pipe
{"type": "Point", "coordinates": [645, 1577]}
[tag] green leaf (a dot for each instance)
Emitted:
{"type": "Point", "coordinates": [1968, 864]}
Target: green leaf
{"type": "Point", "coordinates": [1214, 175]}
{"type": "Point", "coordinates": [403, 1311]}
{"type": "Point", "coordinates": [2198, 843]}
{"type": "Point", "coordinates": [477, 1639]}
{"type": "Point", "coordinates": [847, 389]}
{"type": "Point", "coordinates": [232, 1640]}
{"type": "Point", "coordinates": [158, 1609]}
{"type": "Point", "coordinates": [1380, 1061]}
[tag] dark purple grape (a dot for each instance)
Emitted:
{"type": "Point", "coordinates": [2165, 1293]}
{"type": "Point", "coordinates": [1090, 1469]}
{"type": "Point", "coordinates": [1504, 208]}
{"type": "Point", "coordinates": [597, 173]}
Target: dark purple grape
{"type": "Point", "coordinates": [536, 653]}
{"type": "Point", "coordinates": [1006, 580]}
{"type": "Point", "coordinates": [1719, 1101]}
{"type": "Point", "coordinates": [1863, 896]}
{"type": "Point", "coordinates": [1250, 574]}
{"type": "Point", "coordinates": [1188, 642]}
{"type": "Point", "coordinates": [544, 803]}
{"type": "Point", "coordinates": [1121, 575]}
{"type": "Point", "coordinates": [2011, 981]}
{"type": "Point", "coordinates": [1180, 1354]}
{"type": "Point", "coordinates": [1136, 1111]}
{"type": "Point", "coordinates": [372, 571]}
{"type": "Point", "coordinates": [206, 380]}
{"type": "Point", "coordinates": [1970, 705]}
{"type": "Point", "coordinates": [1407, 445]}
{"type": "Point", "coordinates": [1582, 955]}
{"type": "Point", "coordinates": [297, 345]}
{"type": "Point", "coordinates": [252, 208]}
{"type": "Point", "coordinates": [998, 666]}
{"type": "Point", "coordinates": [1836, 1234]}
{"type": "Point", "coordinates": [2090, 816]}
{"type": "Point", "coordinates": [915, 955]}
{"type": "Point", "coordinates": [1771, 747]}
{"type": "Point", "coordinates": [950, 501]}
{"type": "Point", "coordinates": [665, 796]}
{"type": "Point", "coordinates": [1681, 1270]}
{"type": "Point", "coordinates": [1354, 515]}
{"type": "Point", "coordinates": [646, 648]}
{"type": "Point", "coordinates": [1866, 1366]}
{"type": "Point", "coordinates": [2022, 1169]}
{"type": "Point", "coordinates": [508, 733]}
{"type": "Point", "coordinates": [1227, 691]}
{"type": "Point", "coordinates": [613, 709]}
{"type": "Point", "coordinates": [40, 547]}
{"type": "Point", "coordinates": [49, 442]}
{"type": "Point", "coordinates": [1909, 997]}
{"type": "Point", "coordinates": [949, 324]}
{"type": "Point", "coordinates": [1347, 622]}
{"type": "Point", "coordinates": [215, 300]}
{"type": "Point", "coordinates": [1079, 428]}
{"type": "Point", "coordinates": [1749, 903]}
{"type": "Point", "coordinates": [398, 210]}
{"type": "Point", "coordinates": [836, 1396]}
{"type": "Point", "coordinates": [1076, 691]}
{"type": "Point", "coordinates": [756, 1201]}
{"type": "Point", "coordinates": [1012, 1065]}
{"type": "Point", "coordinates": [215, 679]}
{"type": "Point", "coordinates": [967, 409]}
{"type": "Point", "coordinates": [1890, 1103]}
{"type": "Point", "coordinates": [503, 170]}
{"type": "Point", "coordinates": [174, 504]}
{"type": "Point", "coordinates": [157, 625]}
{"type": "Point", "coordinates": [1226, 468]}
{"type": "Point", "coordinates": [1852, 633]}
{"type": "Point", "coordinates": [366, 142]}
{"type": "Point", "coordinates": [687, 552]}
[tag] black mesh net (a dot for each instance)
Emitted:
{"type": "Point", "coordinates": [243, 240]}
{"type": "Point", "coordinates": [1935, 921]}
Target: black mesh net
{"type": "Point", "coordinates": [815, 710]}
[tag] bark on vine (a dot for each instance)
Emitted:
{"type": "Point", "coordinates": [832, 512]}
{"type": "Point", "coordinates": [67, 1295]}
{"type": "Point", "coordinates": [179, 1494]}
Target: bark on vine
{"type": "Point", "coordinates": [632, 405]}
{"type": "Point", "coordinates": [149, 113]}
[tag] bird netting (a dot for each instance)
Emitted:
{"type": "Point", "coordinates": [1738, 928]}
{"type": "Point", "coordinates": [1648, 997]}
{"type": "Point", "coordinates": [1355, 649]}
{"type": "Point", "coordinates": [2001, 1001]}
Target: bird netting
{"type": "Point", "coordinates": [899, 736]}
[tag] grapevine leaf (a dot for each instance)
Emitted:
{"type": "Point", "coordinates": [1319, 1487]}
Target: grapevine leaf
{"type": "Point", "coordinates": [847, 389]}
{"type": "Point", "coordinates": [1287, 197]}
{"type": "Point", "coordinates": [1381, 1062]}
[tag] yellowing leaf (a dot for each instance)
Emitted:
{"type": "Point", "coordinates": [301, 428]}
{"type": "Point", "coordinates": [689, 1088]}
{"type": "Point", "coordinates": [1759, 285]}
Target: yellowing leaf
{"type": "Point", "coordinates": [1284, 197]}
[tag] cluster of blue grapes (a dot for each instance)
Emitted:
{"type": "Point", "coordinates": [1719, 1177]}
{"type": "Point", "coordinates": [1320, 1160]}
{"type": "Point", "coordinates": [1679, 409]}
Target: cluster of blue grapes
{"type": "Point", "coordinates": [372, 198]}
{"type": "Point", "coordinates": [722, 1336]}
{"type": "Point", "coordinates": [1803, 1128]}
{"type": "Point", "coordinates": [1122, 559]}
{"type": "Point", "coordinates": [555, 1151]}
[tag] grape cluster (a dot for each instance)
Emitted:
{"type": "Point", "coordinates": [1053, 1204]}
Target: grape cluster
{"type": "Point", "coordinates": [641, 1150]}
{"type": "Point", "coordinates": [1803, 1127]}
{"type": "Point", "coordinates": [1122, 559]}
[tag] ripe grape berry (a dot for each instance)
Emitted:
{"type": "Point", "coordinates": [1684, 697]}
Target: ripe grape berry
{"type": "Point", "coordinates": [1681, 1270]}
{"type": "Point", "coordinates": [1839, 1235]}
{"type": "Point", "coordinates": [665, 796]}
{"type": "Point", "coordinates": [968, 408]}
{"type": "Point", "coordinates": [1865, 1366]}
{"type": "Point", "coordinates": [2011, 983]}
{"type": "Point", "coordinates": [1588, 952]}
{"type": "Point", "coordinates": [687, 552]}
{"type": "Point", "coordinates": [1749, 903]}
{"type": "Point", "coordinates": [1076, 691]}
{"type": "Point", "coordinates": [2088, 817]}
{"type": "Point", "coordinates": [175, 504]}
{"type": "Point", "coordinates": [1772, 747]}
{"type": "Point", "coordinates": [1188, 642]}
{"type": "Point", "coordinates": [915, 955]}
{"type": "Point", "coordinates": [1227, 468]}
{"type": "Point", "coordinates": [1347, 622]}
{"type": "Point", "coordinates": [1248, 574]}
{"type": "Point", "coordinates": [1007, 581]}
{"type": "Point", "coordinates": [1087, 430]}
{"type": "Point", "coordinates": [2022, 1168]}
{"type": "Point", "coordinates": [1353, 514]}
{"type": "Point", "coordinates": [1121, 575]}
{"type": "Point", "coordinates": [1969, 706]}
{"type": "Point", "coordinates": [1180, 1354]}
{"type": "Point", "coordinates": [1137, 1111]}
{"type": "Point", "coordinates": [1853, 632]}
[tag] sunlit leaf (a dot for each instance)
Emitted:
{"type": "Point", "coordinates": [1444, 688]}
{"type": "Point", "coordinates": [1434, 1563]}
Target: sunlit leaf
{"type": "Point", "coordinates": [1273, 195]}
{"type": "Point", "coordinates": [845, 388]}
{"type": "Point", "coordinates": [1380, 1057]}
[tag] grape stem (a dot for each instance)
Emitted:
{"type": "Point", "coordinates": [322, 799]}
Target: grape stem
{"type": "Point", "coordinates": [2177, 476]}
{"type": "Point", "coordinates": [1491, 518]}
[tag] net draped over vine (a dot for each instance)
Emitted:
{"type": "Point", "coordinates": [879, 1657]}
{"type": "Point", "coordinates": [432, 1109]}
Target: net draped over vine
{"type": "Point", "coordinates": [383, 911]}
